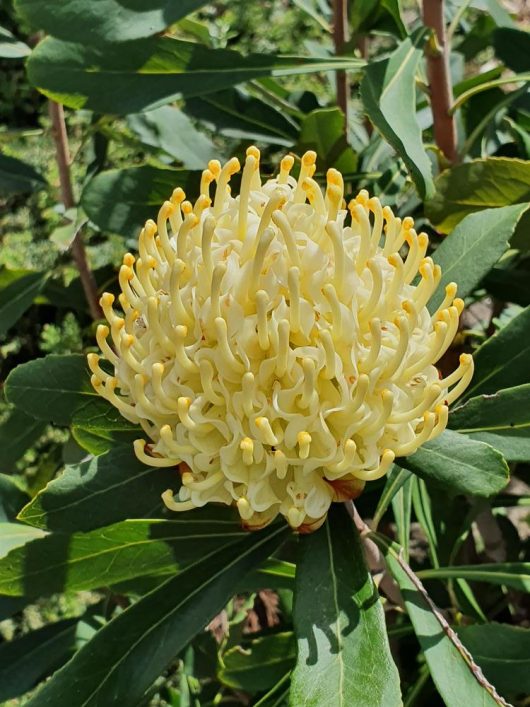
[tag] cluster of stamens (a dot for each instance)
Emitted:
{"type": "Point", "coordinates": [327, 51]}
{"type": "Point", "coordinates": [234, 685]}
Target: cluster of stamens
{"type": "Point", "coordinates": [276, 346]}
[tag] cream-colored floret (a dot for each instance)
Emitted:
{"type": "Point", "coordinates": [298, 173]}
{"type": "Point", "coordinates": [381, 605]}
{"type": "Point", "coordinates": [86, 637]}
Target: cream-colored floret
{"type": "Point", "coordinates": [274, 346]}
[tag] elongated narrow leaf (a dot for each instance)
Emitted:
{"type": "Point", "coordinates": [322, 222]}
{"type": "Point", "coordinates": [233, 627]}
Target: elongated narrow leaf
{"type": "Point", "coordinates": [17, 177]}
{"type": "Point", "coordinates": [121, 200]}
{"type": "Point", "coordinates": [105, 20]}
{"type": "Point", "coordinates": [339, 624]}
{"type": "Point", "coordinates": [502, 360]}
{"type": "Point", "coordinates": [27, 660]}
{"type": "Point", "coordinates": [17, 433]}
{"type": "Point", "coordinates": [133, 548]}
{"type": "Point", "coordinates": [423, 510]}
{"type": "Point", "coordinates": [395, 480]}
{"type": "Point", "coordinates": [510, 574]}
{"type": "Point", "coordinates": [402, 507]}
{"type": "Point", "coordinates": [258, 665]}
{"type": "Point", "coordinates": [472, 249]}
{"type": "Point", "coordinates": [388, 90]}
{"type": "Point", "coordinates": [461, 464]}
{"type": "Point", "coordinates": [450, 667]}
{"type": "Point", "coordinates": [501, 419]}
{"type": "Point", "coordinates": [474, 186]}
{"type": "Point", "coordinates": [17, 297]}
{"type": "Point", "coordinates": [141, 75]}
{"type": "Point", "coordinates": [237, 114]}
{"type": "Point", "coordinates": [503, 653]}
{"type": "Point", "coordinates": [98, 492]}
{"type": "Point", "coordinates": [130, 652]}
{"type": "Point", "coordinates": [13, 535]}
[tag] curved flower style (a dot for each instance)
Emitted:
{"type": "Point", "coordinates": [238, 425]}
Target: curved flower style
{"type": "Point", "coordinates": [274, 346]}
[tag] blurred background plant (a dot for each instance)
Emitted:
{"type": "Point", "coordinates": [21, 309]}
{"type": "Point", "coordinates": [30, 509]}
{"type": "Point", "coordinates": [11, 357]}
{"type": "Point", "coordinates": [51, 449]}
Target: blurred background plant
{"type": "Point", "coordinates": [437, 124]}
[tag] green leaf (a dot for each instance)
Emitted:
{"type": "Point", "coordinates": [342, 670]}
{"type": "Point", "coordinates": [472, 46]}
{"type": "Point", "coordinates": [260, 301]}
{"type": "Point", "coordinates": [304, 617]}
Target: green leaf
{"type": "Point", "coordinates": [274, 574]}
{"type": "Point", "coordinates": [503, 653]}
{"type": "Point", "coordinates": [11, 47]}
{"type": "Point", "coordinates": [278, 696]}
{"type": "Point", "coordinates": [476, 185]}
{"type": "Point", "coordinates": [17, 177]}
{"type": "Point", "coordinates": [388, 91]}
{"type": "Point", "coordinates": [258, 664]}
{"type": "Point", "coordinates": [402, 507]}
{"type": "Point", "coordinates": [423, 510]}
{"type": "Point", "coordinates": [13, 535]}
{"type": "Point", "coordinates": [146, 73]}
{"type": "Point", "coordinates": [12, 498]}
{"type": "Point", "coordinates": [237, 114]}
{"type": "Point", "coordinates": [512, 46]}
{"type": "Point", "coordinates": [121, 200]}
{"type": "Point", "coordinates": [472, 249]}
{"type": "Point", "coordinates": [450, 667]}
{"type": "Point", "coordinates": [27, 660]}
{"type": "Point", "coordinates": [394, 481]}
{"type": "Point", "coordinates": [17, 297]}
{"type": "Point", "coordinates": [336, 609]}
{"type": "Point", "coordinates": [502, 360]}
{"type": "Point", "coordinates": [106, 20]}
{"type": "Point", "coordinates": [509, 574]}
{"type": "Point", "coordinates": [460, 464]}
{"type": "Point", "coordinates": [501, 420]}
{"type": "Point", "coordinates": [169, 129]}
{"type": "Point", "coordinates": [99, 492]}
{"type": "Point", "coordinates": [17, 433]}
{"type": "Point", "coordinates": [130, 652]}
{"type": "Point", "coordinates": [323, 131]}
{"type": "Point", "coordinates": [133, 548]}
{"type": "Point", "coordinates": [58, 389]}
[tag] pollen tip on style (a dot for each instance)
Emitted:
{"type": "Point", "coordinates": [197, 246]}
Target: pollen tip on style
{"type": "Point", "coordinates": [276, 345]}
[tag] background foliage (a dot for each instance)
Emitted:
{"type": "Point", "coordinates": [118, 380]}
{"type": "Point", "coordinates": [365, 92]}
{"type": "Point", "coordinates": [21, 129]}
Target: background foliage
{"type": "Point", "coordinates": [101, 588]}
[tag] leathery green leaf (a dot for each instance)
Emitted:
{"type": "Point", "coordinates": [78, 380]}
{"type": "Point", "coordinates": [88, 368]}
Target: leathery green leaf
{"type": "Point", "coordinates": [388, 90]}
{"type": "Point", "coordinates": [258, 664]}
{"type": "Point", "coordinates": [133, 548]}
{"type": "Point", "coordinates": [475, 186]}
{"type": "Point", "coordinates": [98, 492]}
{"type": "Point", "coordinates": [131, 651]}
{"type": "Point", "coordinates": [451, 668]}
{"type": "Point", "coordinates": [131, 77]}
{"type": "Point", "coordinates": [461, 464]}
{"type": "Point", "coordinates": [473, 248]}
{"type": "Point", "coordinates": [105, 20]}
{"type": "Point", "coordinates": [502, 360]}
{"type": "Point", "coordinates": [339, 624]}
{"type": "Point", "coordinates": [501, 420]}
{"type": "Point", "coordinates": [503, 653]}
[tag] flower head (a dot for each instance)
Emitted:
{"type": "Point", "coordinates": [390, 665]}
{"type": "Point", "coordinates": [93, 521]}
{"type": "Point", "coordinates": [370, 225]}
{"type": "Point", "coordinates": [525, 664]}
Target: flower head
{"type": "Point", "coordinates": [276, 345]}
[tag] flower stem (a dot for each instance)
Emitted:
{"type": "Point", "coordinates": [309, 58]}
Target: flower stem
{"type": "Point", "coordinates": [62, 155]}
{"type": "Point", "coordinates": [340, 37]}
{"type": "Point", "coordinates": [440, 80]}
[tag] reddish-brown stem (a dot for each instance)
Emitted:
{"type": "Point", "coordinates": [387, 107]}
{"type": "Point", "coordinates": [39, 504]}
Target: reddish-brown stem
{"type": "Point", "coordinates": [340, 37]}
{"type": "Point", "coordinates": [62, 153]}
{"type": "Point", "coordinates": [440, 80]}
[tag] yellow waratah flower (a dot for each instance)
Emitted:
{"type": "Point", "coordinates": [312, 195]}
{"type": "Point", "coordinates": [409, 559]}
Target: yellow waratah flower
{"type": "Point", "coordinates": [274, 346]}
